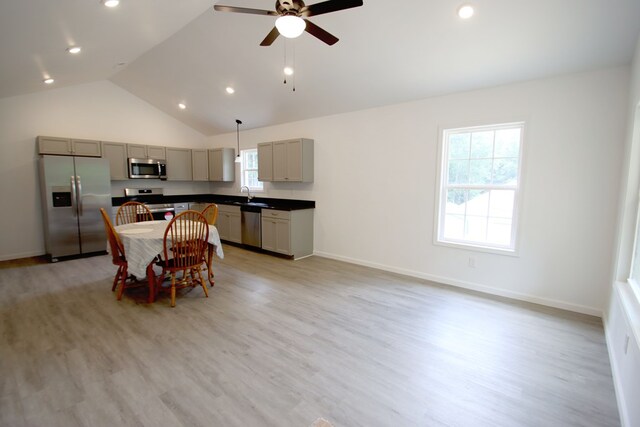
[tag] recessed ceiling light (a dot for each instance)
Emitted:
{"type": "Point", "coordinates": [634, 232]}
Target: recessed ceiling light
{"type": "Point", "coordinates": [288, 71]}
{"type": "Point", "coordinates": [181, 106]}
{"type": "Point", "coordinates": [465, 11]}
{"type": "Point", "coordinates": [74, 49]}
{"type": "Point", "coordinates": [48, 81]}
{"type": "Point", "coordinates": [111, 3]}
{"type": "Point", "coordinates": [230, 90]}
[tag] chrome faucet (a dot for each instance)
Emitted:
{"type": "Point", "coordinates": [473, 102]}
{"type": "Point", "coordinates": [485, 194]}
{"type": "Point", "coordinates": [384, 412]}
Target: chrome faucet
{"type": "Point", "coordinates": [249, 196]}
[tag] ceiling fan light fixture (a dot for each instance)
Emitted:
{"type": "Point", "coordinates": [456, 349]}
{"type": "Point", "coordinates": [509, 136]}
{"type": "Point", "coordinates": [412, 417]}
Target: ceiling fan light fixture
{"type": "Point", "coordinates": [290, 26]}
{"type": "Point", "coordinates": [288, 71]}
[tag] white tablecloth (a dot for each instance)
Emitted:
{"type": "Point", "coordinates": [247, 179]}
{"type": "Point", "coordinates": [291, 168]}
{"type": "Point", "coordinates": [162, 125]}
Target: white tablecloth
{"type": "Point", "coordinates": [142, 241]}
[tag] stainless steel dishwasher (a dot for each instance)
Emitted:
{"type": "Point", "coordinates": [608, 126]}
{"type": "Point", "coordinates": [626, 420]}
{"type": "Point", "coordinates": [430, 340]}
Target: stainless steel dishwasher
{"type": "Point", "coordinates": [251, 225]}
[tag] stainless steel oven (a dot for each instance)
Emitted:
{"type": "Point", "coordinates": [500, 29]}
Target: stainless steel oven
{"type": "Point", "coordinates": [162, 210]}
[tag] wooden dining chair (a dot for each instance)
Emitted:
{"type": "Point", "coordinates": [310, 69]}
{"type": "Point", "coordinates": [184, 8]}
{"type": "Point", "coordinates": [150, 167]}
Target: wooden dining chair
{"type": "Point", "coordinates": [133, 212]}
{"type": "Point", "coordinates": [210, 212]}
{"type": "Point", "coordinates": [185, 243]}
{"type": "Point", "coordinates": [117, 253]}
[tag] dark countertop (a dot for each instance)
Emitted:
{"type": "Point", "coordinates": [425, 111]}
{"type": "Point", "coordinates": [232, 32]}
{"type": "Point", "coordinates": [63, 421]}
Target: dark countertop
{"type": "Point", "coordinates": [259, 202]}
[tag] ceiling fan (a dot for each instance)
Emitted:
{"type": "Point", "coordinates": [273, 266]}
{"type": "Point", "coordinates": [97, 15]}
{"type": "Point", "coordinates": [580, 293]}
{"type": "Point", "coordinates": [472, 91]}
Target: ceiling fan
{"type": "Point", "coordinates": [292, 16]}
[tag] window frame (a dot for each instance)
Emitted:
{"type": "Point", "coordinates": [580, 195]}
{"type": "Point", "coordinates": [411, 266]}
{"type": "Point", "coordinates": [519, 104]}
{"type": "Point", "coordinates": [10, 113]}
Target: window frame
{"type": "Point", "coordinates": [243, 155]}
{"type": "Point", "coordinates": [442, 187]}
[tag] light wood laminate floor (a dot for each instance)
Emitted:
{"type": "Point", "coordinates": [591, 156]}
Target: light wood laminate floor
{"type": "Point", "coordinates": [282, 343]}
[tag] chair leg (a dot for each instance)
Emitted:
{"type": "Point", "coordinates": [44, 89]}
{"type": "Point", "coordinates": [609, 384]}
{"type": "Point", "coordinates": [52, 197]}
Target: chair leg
{"type": "Point", "coordinates": [210, 264]}
{"type": "Point", "coordinates": [116, 279]}
{"type": "Point", "coordinates": [173, 289]}
{"type": "Point", "coordinates": [204, 286]}
{"type": "Point", "coordinates": [123, 278]}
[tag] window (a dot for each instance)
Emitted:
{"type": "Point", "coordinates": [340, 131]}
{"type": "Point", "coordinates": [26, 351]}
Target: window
{"type": "Point", "coordinates": [480, 185]}
{"type": "Point", "coordinates": [250, 169]}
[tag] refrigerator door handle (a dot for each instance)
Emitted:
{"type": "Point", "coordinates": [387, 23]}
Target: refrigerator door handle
{"type": "Point", "coordinates": [74, 201]}
{"type": "Point", "coordinates": [79, 195]}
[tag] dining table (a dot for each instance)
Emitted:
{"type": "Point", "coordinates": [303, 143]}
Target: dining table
{"type": "Point", "coordinates": [143, 242]}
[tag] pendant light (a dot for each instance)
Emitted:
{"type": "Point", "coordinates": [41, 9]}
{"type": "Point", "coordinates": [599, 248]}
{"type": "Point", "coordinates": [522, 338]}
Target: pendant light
{"type": "Point", "coordinates": [238, 123]}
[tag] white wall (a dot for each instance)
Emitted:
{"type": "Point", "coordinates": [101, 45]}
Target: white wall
{"type": "Point", "coordinates": [101, 111]}
{"type": "Point", "coordinates": [375, 186]}
{"type": "Point", "coordinates": [622, 320]}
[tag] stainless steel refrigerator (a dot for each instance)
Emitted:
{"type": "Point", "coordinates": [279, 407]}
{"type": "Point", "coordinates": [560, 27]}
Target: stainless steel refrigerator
{"type": "Point", "coordinates": [73, 191]}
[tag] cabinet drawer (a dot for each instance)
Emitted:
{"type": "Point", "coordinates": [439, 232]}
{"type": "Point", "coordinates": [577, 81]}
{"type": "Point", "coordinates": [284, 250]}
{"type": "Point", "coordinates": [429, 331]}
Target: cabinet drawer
{"type": "Point", "coordinates": [273, 213]}
{"type": "Point", "coordinates": [228, 208]}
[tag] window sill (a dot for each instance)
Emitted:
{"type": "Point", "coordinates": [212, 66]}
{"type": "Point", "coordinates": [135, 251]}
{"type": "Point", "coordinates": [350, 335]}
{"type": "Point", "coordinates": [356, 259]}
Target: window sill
{"type": "Point", "coordinates": [478, 248]}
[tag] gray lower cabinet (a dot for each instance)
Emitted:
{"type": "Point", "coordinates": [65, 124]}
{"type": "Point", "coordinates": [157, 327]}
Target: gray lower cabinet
{"type": "Point", "coordinates": [229, 223]}
{"type": "Point", "coordinates": [179, 167]}
{"type": "Point", "coordinates": [116, 153]}
{"type": "Point", "coordinates": [288, 232]}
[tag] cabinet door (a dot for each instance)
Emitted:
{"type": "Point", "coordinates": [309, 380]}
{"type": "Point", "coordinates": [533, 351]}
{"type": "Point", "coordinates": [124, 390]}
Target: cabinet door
{"type": "Point", "coordinates": [294, 160]}
{"type": "Point", "coordinates": [235, 228]}
{"type": "Point", "coordinates": [215, 165]}
{"type": "Point", "coordinates": [280, 161]}
{"type": "Point", "coordinates": [155, 152]}
{"type": "Point", "coordinates": [200, 165]}
{"type": "Point", "coordinates": [116, 153]}
{"type": "Point", "coordinates": [52, 145]}
{"type": "Point", "coordinates": [283, 236]}
{"type": "Point", "coordinates": [268, 234]}
{"type": "Point", "coordinates": [85, 147]}
{"type": "Point", "coordinates": [137, 151]}
{"type": "Point", "coordinates": [179, 164]}
{"type": "Point", "coordinates": [222, 224]}
{"type": "Point", "coordinates": [265, 161]}
{"type": "Point", "coordinates": [276, 235]}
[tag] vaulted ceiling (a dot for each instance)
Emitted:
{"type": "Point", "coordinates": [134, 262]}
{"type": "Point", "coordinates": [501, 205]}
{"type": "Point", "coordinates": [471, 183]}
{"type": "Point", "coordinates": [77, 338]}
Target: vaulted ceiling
{"type": "Point", "coordinates": [168, 52]}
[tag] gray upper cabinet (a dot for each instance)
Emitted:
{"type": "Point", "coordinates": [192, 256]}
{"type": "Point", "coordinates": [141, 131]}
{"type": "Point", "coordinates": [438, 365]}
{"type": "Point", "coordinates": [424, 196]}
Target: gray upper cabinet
{"type": "Point", "coordinates": [222, 164]}
{"type": "Point", "coordinates": [139, 151]}
{"type": "Point", "coordinates": [291, 161]}
{"type": "Point", "coordinates": [200, 164]}
{"type": "Point", "coordinates": [116, 153]}
{"type": "Point", "coordinates": [179, 166]}
{"type": "Point", "coordinates": [68, 146]}
{"type": "Point", "coordinates": [265, 161]}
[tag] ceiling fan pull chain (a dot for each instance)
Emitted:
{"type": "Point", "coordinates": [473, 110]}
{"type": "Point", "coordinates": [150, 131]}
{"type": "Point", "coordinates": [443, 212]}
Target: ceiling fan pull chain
{"type": "Point", "coordinates": [294, 66]}
{"type": "Point", "coordinates": [285, 61]}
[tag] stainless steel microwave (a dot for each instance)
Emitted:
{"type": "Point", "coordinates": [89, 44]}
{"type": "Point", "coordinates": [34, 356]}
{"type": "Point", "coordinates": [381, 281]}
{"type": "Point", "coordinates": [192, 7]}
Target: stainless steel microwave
{"type": "Point", "coordinates": [147, 168]}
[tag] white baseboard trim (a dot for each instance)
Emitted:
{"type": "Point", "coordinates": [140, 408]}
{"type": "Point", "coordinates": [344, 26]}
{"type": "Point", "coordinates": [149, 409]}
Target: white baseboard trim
{"type": "Point", "coordinates": [20, 255]}
{"type": "Point", "coordinates": [592, 311]}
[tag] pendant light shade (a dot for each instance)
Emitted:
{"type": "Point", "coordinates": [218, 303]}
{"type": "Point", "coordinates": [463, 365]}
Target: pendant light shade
{"type": "Point", "coordinates": [238, 123]}
{"type": "Point", "coordinates": [290, 26]}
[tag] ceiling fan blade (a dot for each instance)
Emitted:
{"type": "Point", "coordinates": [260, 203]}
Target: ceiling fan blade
{"type": "Point", "coordinates": [329, 6]}
{"type": "Point", "coordinates": [270, 37]}
{"type": "Point", "coordinates": [221, 8]}
{"type": "Point", "coordinates": [318, 32]}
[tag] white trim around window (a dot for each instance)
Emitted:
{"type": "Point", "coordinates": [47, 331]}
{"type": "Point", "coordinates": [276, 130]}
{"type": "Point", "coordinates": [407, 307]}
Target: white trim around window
{"type": "Point", "coordinates": [479, 187]}
{"type": "Point", "coordinates": [249, 170]}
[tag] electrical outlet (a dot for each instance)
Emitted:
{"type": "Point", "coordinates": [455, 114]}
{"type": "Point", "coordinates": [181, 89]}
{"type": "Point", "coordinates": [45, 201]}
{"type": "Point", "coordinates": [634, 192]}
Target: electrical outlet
{"type": "Point", "coordinates": [472, 262]}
